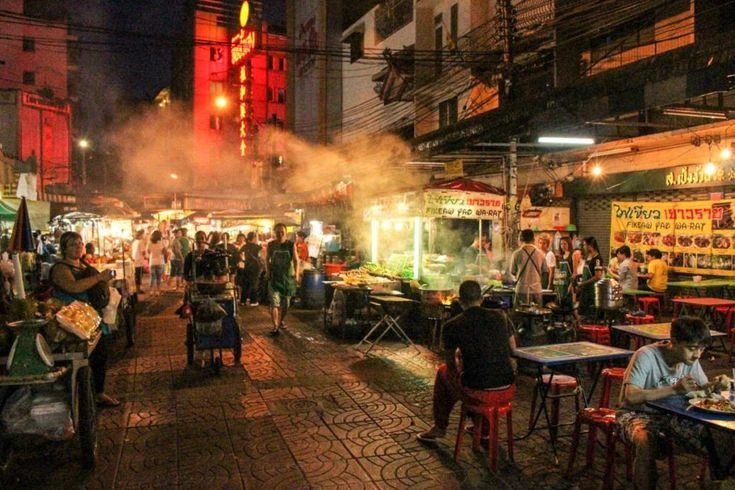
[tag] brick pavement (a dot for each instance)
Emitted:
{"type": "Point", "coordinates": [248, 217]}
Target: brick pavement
{"type": "Point", "coordinates": [303, 410]}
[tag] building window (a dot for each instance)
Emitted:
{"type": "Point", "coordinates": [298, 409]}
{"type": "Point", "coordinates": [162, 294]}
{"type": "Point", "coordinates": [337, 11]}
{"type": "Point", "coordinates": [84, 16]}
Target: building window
{"type": "Point", "coordinates": [270, 62]}
{"type": "Point", "coordinates": [29, 44]}
{"type": "Point", "coordinates": [269, 94]}
{"type": "Point", "coordinates": [357, 46]}
{"type": "Point", "coordinates": [29, 78]}
{"type": "Point", "coordinates": [438, 44]}
{"type": "Point", "coordinates": [216, 55]}
{"type": "Point", "coordinates": [453, 25]}
{"type": "Point", "coordinates": [215, 122]}
{"type": "Point", "coordinates": [216, 89]}
{"type": "Point", "coordinates": [448, 112]}
{"type": "Point", "coordinates": [281, 92]}
{"type": "Point", "coordinates": [281, 64]}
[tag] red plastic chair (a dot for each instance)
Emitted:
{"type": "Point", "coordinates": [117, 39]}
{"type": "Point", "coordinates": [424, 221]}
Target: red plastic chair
{"type": "Point", "coordinates": [608, 375]}
{"type": "Point", "coordinates": [639, 320]}
{"type": "Point", "coordinates": [599, 334]}
{"type": "Point", "coordinates": [648, 303]}
{"type": "Point", "coordinates": [485, 413]}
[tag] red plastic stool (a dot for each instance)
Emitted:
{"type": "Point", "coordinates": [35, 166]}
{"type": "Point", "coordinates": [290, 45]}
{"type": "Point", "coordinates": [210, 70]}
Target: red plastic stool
{"type": "Point", "coordinates": [604, 420]}
{"type": "Point", "coordinates": [486, 413]}
{"type": "Point", "coordinates": [648, 303]}
{"type": "Point", "coordinates": [639, 320]}
{"type": "Point", "coordinates": [561, 386]}
{"type": "Point", "coordinates": [608, 375]}
{"type": "Point", "coordinates": [599, 334]}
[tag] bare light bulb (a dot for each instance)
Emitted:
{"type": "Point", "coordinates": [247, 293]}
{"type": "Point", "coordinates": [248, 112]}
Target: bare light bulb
{"type": "Point", "coordinates": [725, 153]}
{"type": "Point", "coordinates": [710, 168]}
{"type": "Point", "coordinates": [596, 171]}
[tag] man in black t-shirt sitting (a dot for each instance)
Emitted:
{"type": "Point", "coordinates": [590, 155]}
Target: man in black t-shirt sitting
{"type": "Point", "coordinates": [477, 359]}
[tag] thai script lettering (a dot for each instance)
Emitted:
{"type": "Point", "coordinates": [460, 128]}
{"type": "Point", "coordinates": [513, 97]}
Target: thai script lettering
{"type": "Point", "coordinates": [636, 212]}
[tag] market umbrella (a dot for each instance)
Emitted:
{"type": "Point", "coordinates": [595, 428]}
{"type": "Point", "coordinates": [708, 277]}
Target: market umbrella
{"type": "Point", "coordinates": [22, 238]}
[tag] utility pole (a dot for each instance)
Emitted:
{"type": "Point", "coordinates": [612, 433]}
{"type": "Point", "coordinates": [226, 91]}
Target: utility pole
{"type": "Point", "coordinates": [506, 23]}
{"type": "Point", "coordinates": [513, 207]}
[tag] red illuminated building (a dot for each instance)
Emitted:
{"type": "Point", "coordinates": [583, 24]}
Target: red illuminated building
{"type": "Point", "coordinates": [233, 82]}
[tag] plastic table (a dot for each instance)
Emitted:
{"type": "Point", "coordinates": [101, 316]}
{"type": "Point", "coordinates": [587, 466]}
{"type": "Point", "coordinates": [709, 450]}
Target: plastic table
{"type": "Point", "coordinates": [554, 356]}
{"type": "Point", "coordinates": [679, 406]}
{"type": "Point", "coordinates": [661, 331]}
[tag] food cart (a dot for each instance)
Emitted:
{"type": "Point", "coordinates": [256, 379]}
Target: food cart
{"type": "Point", "coordinates": [45, 378]}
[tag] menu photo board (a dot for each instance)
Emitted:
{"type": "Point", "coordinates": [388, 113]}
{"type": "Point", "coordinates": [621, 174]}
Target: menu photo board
{"type": "Point", "coordinates": [695, 236]}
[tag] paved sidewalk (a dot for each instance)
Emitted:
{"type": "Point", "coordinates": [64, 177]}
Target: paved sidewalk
{"type": "Point", "coordinates": [304, 410]}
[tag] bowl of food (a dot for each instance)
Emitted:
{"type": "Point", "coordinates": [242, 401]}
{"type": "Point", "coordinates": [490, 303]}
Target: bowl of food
{"type": "Point", "coordinates": [697, 278]}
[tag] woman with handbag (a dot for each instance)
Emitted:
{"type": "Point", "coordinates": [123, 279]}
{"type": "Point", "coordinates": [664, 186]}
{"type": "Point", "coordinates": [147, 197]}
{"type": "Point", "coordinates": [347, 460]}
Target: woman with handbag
{"type": "Point", "coordinates": [74, 279]}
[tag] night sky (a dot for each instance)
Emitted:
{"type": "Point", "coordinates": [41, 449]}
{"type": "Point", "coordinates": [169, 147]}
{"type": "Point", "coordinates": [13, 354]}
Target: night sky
{"type": "Point", "coordinates": [113, 65]}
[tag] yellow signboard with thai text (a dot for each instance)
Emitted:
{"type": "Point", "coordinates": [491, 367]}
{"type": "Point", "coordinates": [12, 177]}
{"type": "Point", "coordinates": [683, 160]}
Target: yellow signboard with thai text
{"type": "Point", "coordinates": [696, 237]}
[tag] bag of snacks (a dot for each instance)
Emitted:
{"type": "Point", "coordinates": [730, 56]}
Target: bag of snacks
{"type": "Point", "coordinates": [80, 319]}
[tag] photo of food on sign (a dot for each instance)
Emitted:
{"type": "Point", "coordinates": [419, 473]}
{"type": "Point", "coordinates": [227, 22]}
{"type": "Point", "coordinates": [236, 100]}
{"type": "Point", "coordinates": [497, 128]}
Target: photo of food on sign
{"type": "Point", "coordinates": [701, 241]}
{"type": "Point", "coordinates": [725, 221]}
{"type": "Point", "coordinates": [619, 236]}
{"type": "Point", "coordinates": [684, 241]}
{"type": "Point", "coordinates": [677, 260]}
{"type": "Point", "coordinates": [721, 242]}
{"type": "Point", "coordinates": [635, 237]}
{"type": "Point", "coordinates": [668, 240]}
{"type": "Point", "coordinates": [651, 239]}
{"type": "Point", "coordinates": [704, 261]}
{"type": "Point", "coordinates": [722, 262]}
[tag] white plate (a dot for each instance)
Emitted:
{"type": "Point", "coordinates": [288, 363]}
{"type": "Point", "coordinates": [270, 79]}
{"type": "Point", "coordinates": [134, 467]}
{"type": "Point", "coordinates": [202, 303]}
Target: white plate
{"type": "Point", "coordinates": [698, 404]}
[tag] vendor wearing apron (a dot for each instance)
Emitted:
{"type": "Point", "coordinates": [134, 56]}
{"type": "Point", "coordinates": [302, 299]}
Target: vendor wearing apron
{"type": "Point", "coordinates": [593, 269]}
{"type": "Point", "coordinates": [282, 263]}
{"type": "Point", "coordinates": [528, 265]}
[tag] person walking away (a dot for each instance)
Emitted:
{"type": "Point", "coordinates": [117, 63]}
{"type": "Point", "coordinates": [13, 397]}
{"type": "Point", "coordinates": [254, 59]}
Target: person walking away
{"type": "Point", "coordinates": [253, 269]}
{"type": "Point", "coordinates": [661, 370]}
{"type": "Point", "coordinates": [73, 279]}
{"type": "Point", "coordinates": [482, 340]}
{"type": "Point", "coordinates": [527, 265]}
{"type": "Point", "coordinates": [591, 273]}
{"type": "Point", "coordinates": [156, 251]}
{"type": "Point", "coordinates": [138, 253]}
{"type": "Point", "coordinates": [282, 264]}
{"type": "Point", "coordinates": [547, 279]}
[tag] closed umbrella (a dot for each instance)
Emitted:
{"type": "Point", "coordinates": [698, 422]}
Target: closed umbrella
{"type": "Point", "coordinates": [20, 241]}
{"type": "Point", "coordinates": [22, 238]}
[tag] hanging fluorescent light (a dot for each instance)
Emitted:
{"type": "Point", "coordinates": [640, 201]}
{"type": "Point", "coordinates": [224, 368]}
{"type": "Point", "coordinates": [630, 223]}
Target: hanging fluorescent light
{"type": "Point", "coordinates": [694, 112]}
{"type": "Point", "coordinates": [564, 140]}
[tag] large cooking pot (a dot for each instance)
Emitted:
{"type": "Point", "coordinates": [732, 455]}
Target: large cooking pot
{"type": "Point", "coordinates": [608, 294]}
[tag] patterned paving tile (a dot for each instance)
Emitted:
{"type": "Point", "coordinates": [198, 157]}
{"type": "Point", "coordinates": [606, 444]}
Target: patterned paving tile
{"type": "Point", "coordinates": [152, 364]}
{"type": "Point", "coordinates": [276, 470]}
{"type": "Point", "coordinates": [142, 439]}
{"type": "Point", "coordinates": [324, 472]}
{"type": "Point", "coordinates": [309, 445]}
{"type": "Point", "coordinates": [296, 426]}
{"type": "Point", "coordinates": [397, 466]}
{"type": "Point", "coordinates": [292, 406]}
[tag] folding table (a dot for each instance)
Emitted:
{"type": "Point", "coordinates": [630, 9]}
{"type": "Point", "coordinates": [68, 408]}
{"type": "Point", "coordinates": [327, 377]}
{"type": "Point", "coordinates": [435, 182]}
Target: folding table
{"type": "Point", "coordinates": [705, 306]}
{"type": "Point", "coordinates": [554, 356]}
{"type": "Point", "coordinates": [660, 331]}
{"type": "Point", "coordinates": [393, 307]}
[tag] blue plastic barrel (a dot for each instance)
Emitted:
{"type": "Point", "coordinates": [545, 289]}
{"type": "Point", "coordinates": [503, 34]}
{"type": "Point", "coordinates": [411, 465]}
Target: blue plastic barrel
{"type": "Point", "coordinates": [312, 290]}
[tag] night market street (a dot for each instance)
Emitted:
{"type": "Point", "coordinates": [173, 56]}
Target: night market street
{"type": "Point", "coordinates": [305, 410]}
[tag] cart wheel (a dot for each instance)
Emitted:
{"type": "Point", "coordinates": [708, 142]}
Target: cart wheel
{"type": "Point", "coordinates": [87, 417]}
{"type": "Point", "coordinates": [130, 321]}
{"type": "Point", "coordinates": [189, 343]}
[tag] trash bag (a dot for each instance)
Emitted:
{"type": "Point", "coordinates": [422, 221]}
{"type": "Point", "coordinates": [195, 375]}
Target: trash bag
{"type": "Point", "coordinates": [109, 312]}
{"type": "Point", "coordinates": [209, 311]}
{"type": "Point", "coordinates": [45, 413]}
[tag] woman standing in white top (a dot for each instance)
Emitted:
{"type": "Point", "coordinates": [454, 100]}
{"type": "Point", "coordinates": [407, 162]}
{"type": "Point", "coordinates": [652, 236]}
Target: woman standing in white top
{"type": "Point", "coordinates": [156, 258]}
{"type": "Point", "coordinates": [138, 252]}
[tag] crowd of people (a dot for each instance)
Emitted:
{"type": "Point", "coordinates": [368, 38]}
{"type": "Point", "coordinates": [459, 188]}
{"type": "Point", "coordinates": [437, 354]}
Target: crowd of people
{"type": "Point", "coordinates": [573, 271]}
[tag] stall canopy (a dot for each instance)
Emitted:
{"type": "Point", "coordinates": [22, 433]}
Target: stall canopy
{"type": "Point", "coordinates": [109, 207]}
{"type": "Point", "coordinates": [39, 212]}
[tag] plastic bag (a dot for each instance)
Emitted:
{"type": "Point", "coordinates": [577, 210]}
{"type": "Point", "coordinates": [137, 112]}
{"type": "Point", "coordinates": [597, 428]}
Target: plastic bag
{"type": "Point", "coordinates": [209, 311]}
{"type": "Point", "coordinates": [109, 312]}
{"type": "Point", "coordinates": [79, 318]}
{"type": "Point", "coordinates": [44, 413]}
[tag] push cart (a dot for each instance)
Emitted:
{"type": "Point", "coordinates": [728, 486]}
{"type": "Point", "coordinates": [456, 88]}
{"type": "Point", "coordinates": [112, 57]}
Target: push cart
{"type": "Point", "coordinates": [72, 370]}
{"type": "Point", "coordinates": [200, 335]}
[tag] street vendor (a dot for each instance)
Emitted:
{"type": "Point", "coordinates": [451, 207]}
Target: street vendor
{"type": "Point", "coordinates": [200, 246]}
{"type": "Point", "coordinates": [282, 263]}
{"type": "Point", "coordinates": [591, 273]}
{"type": "Point", "coordinates": [662, 370]}
{"type": "Point", "coordinates": [74, 279]}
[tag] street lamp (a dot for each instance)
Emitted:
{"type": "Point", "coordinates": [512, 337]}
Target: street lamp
{"type": "Point", "coordinates": [84, 144]}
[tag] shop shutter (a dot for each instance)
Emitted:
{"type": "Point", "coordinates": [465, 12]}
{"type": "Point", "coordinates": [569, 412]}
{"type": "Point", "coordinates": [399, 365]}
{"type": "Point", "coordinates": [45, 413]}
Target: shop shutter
{"type": "Point", "coordinates": [593, 219]}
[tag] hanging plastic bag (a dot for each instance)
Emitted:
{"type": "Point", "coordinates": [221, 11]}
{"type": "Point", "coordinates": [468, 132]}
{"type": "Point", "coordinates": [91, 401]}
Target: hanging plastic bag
{"type": "Point", "coordinates": [45, 414]}
{"type": "Point", "coordinates": [109, 312]}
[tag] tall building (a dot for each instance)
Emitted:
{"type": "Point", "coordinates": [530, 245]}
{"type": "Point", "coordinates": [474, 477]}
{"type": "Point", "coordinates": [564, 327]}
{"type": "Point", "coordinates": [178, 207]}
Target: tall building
{"type": "Point", "coordinates": [232, 80]}
{"type": "Point", "coordinates": [35, 108]}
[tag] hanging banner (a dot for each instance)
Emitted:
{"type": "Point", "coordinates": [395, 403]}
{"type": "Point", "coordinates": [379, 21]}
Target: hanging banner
{"type": "Point", "coordinates": [696, 236]}
{"type": "Point", "coordinates": [440, 203]}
